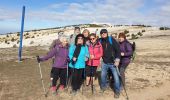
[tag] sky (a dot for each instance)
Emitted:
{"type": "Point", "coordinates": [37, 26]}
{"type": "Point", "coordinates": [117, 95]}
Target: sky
{"type": "Point", "coordinates": [55, 13]}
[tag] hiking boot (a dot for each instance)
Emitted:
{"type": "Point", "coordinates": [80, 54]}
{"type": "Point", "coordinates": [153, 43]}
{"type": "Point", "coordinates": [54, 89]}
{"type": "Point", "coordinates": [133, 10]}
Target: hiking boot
{"type": "Point", "coordinates": [102, 90]}
{"type": "Point", "coordinates": [116, 95]}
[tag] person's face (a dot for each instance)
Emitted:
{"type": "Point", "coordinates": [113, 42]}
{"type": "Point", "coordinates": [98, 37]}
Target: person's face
{"type": "Point", "coordinates": [85, 34]}
{"type": "Point", "coordinates": [121, 39]}
{"type": "Point", "coordinates": [93, 39]}
{"type": "Point", "coordinates": [114, 36]}
{"type": "Point", "coordinates": [64, 42]}
{"type": "Point", "coordinates": [80, 40]}
{"type": "Point", "coordinates": [104, 35]}
{"type": "Point", "coordinates": [77, 31]}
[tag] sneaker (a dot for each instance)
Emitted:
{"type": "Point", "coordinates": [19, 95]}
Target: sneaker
{"type": "Point", "coordinates": [116, 95]}
{"type": "Point", "coordinates": [102, 90]}
{"type": "Point", "coordinates": [61, 88]}
{"type": "Point", "coordinates": [53, 89]}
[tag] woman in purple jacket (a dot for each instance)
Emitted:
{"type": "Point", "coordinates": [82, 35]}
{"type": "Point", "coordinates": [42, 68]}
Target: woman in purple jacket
{"type": "Point", "coordinates": [126, 53]}
{"type": "Point", "coordinates": [59, 68]}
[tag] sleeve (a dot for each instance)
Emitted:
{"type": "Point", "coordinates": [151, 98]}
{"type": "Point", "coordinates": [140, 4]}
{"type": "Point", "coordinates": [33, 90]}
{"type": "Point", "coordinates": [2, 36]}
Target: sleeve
{"type": "Point", "coordinates": [100, 54]}
{"type": "Point", "coordinates": [50, 54]}
{"type": "Point", "coordinates": [116, 49]}
{"type": "Point", "coordinates": [71, 51]}
{"type": "Point", "coordinates": [128, 51]}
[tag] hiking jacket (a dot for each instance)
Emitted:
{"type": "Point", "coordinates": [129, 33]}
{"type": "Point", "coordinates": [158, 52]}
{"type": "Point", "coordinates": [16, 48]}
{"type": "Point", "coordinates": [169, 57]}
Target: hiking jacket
{"type": "Point", "coordinates": [84, 54]}
{"type": "Point", "coordinates": [60, 55]}
{"type": "Point", "coordinates": [111, 52]}
{"type": "Point", "coordinates": [126, 48]}
{"type": "Point", "coordinates": [97, 51]}
{"type": "Point", "coordinates": [54, 43]}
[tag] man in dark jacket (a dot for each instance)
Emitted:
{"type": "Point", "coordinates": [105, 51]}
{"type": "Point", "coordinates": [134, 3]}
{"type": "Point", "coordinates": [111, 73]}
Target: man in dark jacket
{"type": "Point", "coordinates": [111, 59]}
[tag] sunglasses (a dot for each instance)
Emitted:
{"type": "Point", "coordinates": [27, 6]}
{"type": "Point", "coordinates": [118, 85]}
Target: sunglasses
{"type": "Point", "coordinates": [92, 38]}
{"type": "Point", "coordinates": [103, 33]}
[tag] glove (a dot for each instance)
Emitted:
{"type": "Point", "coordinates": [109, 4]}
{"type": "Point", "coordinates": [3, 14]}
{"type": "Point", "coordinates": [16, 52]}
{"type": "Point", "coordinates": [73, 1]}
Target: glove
{"type": "Point", "coordinates": [38, 59]}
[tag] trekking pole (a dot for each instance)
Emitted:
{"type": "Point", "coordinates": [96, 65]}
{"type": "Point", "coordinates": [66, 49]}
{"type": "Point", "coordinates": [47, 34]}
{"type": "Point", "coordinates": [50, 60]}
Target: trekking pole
{"type": "Point", "coordinates": [91, 80]}
{"type": "Point", "coordinates": [42, 81]}
{"type": "Point", "coordinates": [70, 79]}
{"type": "Point", "coordinates": [122, 83]}
{"type": "Point", "coordinates": [84, 77]}
{"type": "Point", "coordinates": [67, 76]}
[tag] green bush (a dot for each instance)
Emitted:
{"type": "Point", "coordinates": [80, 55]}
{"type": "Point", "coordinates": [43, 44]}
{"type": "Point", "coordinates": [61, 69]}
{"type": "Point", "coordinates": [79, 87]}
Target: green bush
{"type": "Point", "coordinates": [133, 36]}
{"type": "Point", "coordinates": [27, 37]}
{"type": "Point", "coordinates": [14, 46]}
{"type": "Point", "coordinates": [32, 42]}
{"type": "Point", "coordinates": [139, 33]}
{"type": "Point", "coordinates": [126, 31]}
{"type": "Point", "coordinates": [161, 28]}
{"type": "Point", "coordinates": [7, 35]}
{"type": "Point", "coordinates": [127, 35]}
{"type": "Point", "coordinates": [12, 39]}
{"type": "Point", "coordinates": [33, 37]}
{"type": "Point", "coordinates": [18, 42]}
{"type": "Point", "coordinates": [27, 33]}
{"type": "Point", "coordinates": [143, 31]}
{"type": "Point", "coordinates": [6, 41]}
{"type": "Point", "coordinates": [18, 34]}
{"type": "Point", "coordinates": [94, 25]}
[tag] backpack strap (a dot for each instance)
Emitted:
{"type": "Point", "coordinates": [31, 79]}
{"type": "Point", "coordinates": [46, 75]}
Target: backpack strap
{"type": "Point", "coordinates": [110, 40]}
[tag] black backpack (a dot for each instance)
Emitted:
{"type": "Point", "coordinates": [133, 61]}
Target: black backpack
{"type": "Point", "coordinates": [133, 46]}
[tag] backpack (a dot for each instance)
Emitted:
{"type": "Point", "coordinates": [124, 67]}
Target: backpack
{"type": "Point", "coordinates": [133, 46]}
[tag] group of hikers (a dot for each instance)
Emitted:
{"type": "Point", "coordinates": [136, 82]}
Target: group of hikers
{"type": "Point", "coordinates": [77, 58]}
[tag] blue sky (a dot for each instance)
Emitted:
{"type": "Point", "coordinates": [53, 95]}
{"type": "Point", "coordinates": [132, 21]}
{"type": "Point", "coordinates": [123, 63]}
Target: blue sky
{"type": "Point", "coordinates": [53, 13]}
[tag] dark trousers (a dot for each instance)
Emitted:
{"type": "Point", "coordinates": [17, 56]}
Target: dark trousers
{"type": "Point", "coordinates": [76, 78]}
{"type": "Point", "coordinates": [59, 73]}
{"type": "Point", "coordinates": [122, 69]}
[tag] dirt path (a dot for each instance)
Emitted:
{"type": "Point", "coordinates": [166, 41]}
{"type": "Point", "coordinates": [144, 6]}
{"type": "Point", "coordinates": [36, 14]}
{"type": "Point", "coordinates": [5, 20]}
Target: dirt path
{"type": "Point", "coordinates": [152, 93]}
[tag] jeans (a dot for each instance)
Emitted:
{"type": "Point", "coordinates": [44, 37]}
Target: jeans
{"type": "Point", "coordinates": [104, 71]}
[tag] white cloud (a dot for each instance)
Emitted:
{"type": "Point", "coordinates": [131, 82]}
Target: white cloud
{"type": "Point", "coordinates": [108, 11]}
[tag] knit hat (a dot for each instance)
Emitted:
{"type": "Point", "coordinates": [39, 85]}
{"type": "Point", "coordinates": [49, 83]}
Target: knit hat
{"type": "Point", "coordinates": [103, 31]}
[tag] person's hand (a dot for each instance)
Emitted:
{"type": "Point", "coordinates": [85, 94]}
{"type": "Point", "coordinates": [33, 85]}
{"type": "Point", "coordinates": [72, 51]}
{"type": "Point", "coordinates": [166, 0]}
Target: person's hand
{"type": "Point", "coordinates": [74, 59]}
{"type": "Point", "coordinates": [38, 59]}
{"type": "Point", "coordinates": [91, 56]}
{"type": "Point", "coordinates": [122, 54]}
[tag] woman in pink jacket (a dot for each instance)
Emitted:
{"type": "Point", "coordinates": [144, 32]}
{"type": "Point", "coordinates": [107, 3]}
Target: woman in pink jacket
{"type": "Point", "coordinates": [96, 52]}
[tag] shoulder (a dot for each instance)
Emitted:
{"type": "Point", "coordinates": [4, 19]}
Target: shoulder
{"type": "Point", "coordinates": [127, 42]}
